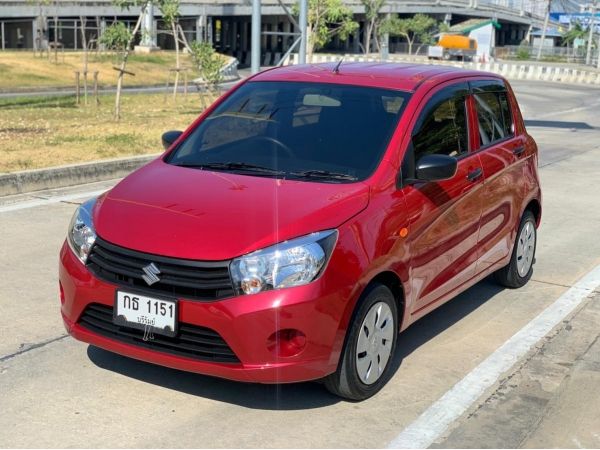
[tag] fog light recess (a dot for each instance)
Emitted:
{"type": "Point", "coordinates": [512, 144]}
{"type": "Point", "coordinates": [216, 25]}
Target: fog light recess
{"type": "Point", "coordinates": [286, 343]}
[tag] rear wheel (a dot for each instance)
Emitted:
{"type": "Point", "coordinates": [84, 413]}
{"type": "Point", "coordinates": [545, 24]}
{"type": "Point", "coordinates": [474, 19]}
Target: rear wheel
{"type": "Point", "coordinates": [364, 366]}
{"type": "Point", "coordinates": [518, 272]}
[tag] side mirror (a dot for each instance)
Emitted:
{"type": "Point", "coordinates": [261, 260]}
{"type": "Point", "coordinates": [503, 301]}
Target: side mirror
{"type": "Point", "coordinates": [435, 168]}
{"type": "Point", "coordinates": [169, 137]}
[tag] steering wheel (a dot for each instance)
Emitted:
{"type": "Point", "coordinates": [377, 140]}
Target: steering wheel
{"type": "Point", "coordinates": [272, 140]}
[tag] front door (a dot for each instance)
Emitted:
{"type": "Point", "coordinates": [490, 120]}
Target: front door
{"type": "Point", "coordinates": [444, 216]}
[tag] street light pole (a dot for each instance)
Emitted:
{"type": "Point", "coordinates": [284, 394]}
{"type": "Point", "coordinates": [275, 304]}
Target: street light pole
{"type": "Point", "coordinates": [588, 55]}
{"type": "Point", "coordinates": [302, 22]}
{"type": "Point", "coordinates": [255, 44]}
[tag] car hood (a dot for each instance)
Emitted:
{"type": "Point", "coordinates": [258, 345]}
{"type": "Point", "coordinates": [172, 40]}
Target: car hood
{"type": "Point", "coordinates": [198, 214]}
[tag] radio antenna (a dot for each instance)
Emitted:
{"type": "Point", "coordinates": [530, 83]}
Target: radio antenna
{"type": "Point", "coordinates": [336, 69]}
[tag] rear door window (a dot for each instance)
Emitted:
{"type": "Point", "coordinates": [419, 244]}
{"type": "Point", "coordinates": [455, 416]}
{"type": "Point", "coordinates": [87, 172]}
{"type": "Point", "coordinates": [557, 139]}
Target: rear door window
{"type": "Point", "coordinates": [494, 115]}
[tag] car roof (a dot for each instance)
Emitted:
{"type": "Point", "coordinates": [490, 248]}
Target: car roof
{"type": "Point", "coordinates": [400, 76]}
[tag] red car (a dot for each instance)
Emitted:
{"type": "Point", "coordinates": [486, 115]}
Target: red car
{"type": "Point", "coordinates": [304, 220]}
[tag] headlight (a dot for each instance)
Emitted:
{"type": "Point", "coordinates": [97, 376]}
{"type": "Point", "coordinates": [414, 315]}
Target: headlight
{"type": "Point", "coordinates": [290, 263]}
{"type": "Point", "coordinates": [82, 235]}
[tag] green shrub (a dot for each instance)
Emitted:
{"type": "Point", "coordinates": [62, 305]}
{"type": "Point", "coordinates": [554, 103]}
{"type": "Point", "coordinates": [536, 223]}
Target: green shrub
{"type": "Point", "coordinates": [523, 53]}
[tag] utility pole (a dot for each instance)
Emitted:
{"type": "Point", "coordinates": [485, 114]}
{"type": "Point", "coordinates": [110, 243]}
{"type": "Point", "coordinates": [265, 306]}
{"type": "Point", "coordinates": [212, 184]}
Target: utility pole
{"type": "Point", "coordinates": [588, 55]}
{"type": "Point", "coordinates": [302, 22]}
{"type": "Point", "coordinates": [546, 19]}
{"type": "Point", "coordinates": [385, 43]}
{"type": "Point", "coordinates": [255, 44]}
{"type": "Point", "coordinates": [598, 60]}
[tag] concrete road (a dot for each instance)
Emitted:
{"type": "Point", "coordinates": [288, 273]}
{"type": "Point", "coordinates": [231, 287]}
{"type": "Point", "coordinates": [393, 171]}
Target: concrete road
{"type": "Point", "coordinates": [56, 392]}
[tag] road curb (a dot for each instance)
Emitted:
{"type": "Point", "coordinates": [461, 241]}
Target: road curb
{"type": "Point", "coordinates": [69, 175]}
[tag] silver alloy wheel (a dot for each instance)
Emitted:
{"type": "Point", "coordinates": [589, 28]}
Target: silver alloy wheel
{"type": "Point", "coordinates": [375, 343]}
{"type": "Point", "coordinates": [525, 248]}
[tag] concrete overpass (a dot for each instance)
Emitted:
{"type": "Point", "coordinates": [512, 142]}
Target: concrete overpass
{"type": "Point", "coordinates": [26, 24]}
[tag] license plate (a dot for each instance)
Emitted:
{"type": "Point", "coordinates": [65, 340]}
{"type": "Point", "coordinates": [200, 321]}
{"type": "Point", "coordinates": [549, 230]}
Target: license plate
{"type": "Point", "coordinates": [153, 315]}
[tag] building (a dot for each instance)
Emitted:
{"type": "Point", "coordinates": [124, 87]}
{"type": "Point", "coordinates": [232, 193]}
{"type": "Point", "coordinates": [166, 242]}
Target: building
{"type": "Point", "coordinates": [27, 24]}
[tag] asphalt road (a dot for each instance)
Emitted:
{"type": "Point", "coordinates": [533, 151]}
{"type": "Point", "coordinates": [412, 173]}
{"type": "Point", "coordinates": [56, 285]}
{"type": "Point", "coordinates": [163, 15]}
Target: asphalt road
{"type": "Point", "coordinates": [56, 392]}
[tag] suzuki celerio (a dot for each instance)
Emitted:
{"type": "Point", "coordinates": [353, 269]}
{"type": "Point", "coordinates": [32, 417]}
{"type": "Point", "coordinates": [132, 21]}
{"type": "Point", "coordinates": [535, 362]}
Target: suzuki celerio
{"type": "Point", "coordinates": [304, 220]}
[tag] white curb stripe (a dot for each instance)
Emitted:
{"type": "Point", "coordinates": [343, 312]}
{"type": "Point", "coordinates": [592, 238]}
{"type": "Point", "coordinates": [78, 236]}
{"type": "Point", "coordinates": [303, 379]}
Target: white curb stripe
{"type": "Point", "coordinates": [430, 425]}
{"type": "Point", "coordinates": [50, 200]}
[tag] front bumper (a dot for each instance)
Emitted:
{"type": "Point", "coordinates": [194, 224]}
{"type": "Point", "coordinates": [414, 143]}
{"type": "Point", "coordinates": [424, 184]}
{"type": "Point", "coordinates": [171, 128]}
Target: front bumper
{"type": "Point", "coordinates": [245, 323]}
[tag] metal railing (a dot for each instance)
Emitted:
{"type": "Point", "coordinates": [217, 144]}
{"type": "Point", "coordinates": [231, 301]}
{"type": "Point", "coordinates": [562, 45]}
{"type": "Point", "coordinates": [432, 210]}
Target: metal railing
{"type": "Point", "coordinates": [554, 54]}
{"type": "Point", "coordinates": [402, 47]}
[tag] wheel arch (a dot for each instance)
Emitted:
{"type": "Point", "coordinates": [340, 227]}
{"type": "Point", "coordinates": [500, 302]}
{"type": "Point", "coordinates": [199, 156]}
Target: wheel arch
{"type": "Point", "coordinates": [535, 207]}
{"type": "Point", "coordinates": [393, 282]}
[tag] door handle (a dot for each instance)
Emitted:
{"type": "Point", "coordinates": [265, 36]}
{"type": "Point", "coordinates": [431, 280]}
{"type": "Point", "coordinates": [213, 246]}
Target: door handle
{"type": "Point", "coordinates": [519, 150]}
{"type": "Point", "coordinates": [475, 174]}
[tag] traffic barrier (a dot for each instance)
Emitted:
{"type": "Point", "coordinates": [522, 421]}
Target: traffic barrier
{"type": "Point", "coordinates": [515, 71]}
{"type": "Point", "coordinates": [70, 175]}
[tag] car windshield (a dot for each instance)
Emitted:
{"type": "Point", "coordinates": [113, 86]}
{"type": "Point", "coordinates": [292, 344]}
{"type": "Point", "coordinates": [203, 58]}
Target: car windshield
{"type": "Point", "coordinates": [316, 131]}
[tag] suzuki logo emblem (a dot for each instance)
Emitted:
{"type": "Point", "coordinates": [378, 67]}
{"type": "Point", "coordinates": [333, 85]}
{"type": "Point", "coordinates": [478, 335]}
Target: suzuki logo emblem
{"type": "Point", "coordinates": [151, 274]}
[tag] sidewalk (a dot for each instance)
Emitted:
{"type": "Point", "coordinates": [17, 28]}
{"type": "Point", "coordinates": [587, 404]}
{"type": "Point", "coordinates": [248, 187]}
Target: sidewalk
{"type": "Point", "coordinates": [551, 401]}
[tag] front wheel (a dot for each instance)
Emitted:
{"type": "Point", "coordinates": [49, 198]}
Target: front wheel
{"type": "Point", "coordinates": [518, 272]}
{"type": "Point", "coordinates": [364, 366]}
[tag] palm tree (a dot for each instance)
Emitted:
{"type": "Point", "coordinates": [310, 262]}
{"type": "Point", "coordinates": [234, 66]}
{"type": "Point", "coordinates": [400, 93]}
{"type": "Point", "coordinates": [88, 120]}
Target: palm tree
{"type": "Point", "coordinates": [575, 32]}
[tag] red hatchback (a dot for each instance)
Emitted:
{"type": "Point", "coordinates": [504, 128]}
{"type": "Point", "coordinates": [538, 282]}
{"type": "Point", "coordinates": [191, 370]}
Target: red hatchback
{"type": "Point", "coordinates": [304, 220]}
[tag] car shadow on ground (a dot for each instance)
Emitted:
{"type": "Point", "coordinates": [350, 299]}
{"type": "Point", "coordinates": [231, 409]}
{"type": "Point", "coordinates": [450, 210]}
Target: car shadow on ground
{"type": "Point", "coordinates": [291, 396]}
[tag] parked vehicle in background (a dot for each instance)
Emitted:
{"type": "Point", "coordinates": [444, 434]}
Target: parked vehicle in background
{"type": "Point", "coordinates": [453, 46]}
{"type": "Point", "coordinates": [304, 220]}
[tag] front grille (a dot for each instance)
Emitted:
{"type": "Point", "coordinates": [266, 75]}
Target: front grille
{"type": "Point", "coordinates": [197, 280]}
{"type": "Point", "coordinates": [191, 341]}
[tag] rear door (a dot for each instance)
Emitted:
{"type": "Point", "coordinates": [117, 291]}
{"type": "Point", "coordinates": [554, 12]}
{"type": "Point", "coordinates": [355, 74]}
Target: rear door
{"type": "Point", "coordinates": [444, 215]}
{"type": "Point", "coordinates": [500, 149]}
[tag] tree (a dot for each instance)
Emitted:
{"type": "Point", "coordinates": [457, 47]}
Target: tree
{"type": "Point", "coordinates": [41, 20]}
{"type": "Point", "coordinates": [84, 45]}
{"type": "Point", "coordinates": [574, 33]}
{"type": "Point", "coordinates": [126, 4]}
{"type": "Point", "coordinates": [115, 37]}
{"type": "Point", "coordinates": [419, 28]}
{"type": "Point", "coordinates": [208, 62]}
{"type": "Point", "coordinates": [170, 13]}
{"type": "Point", "coordinates": [326, 19]}
{"type": "Point", "coordinates": [43, 17]}
{"type": "Point", "coordinates": [168, 8]}
{"type": "Point", "coordinates": [374, 19]}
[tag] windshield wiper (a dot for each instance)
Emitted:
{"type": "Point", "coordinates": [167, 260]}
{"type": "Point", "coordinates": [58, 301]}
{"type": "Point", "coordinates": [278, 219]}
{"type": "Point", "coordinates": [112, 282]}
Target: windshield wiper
{"type": "Point", "coordinates": [324, 174]}
{"type": "Point", "coordinates": [246, 167]}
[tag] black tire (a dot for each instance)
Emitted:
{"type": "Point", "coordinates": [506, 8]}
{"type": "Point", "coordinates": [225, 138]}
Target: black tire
{"type": "Point", "coordinates": [345, 382]}
{"type": "Point", "coordinates": [509, 275]}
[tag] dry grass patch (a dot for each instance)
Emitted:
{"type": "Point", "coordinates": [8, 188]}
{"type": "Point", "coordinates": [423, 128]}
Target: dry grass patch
{"type": "Point", "coordinates": [21, 71]}
{"type": "Point", "coordinates": [45, 132]}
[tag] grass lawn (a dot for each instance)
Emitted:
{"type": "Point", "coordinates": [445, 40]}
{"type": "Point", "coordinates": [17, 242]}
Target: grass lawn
{"type": "Point", "coordinates": [22, 71]}
{"type": "Point", "coordinates": [52, 131]}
